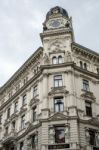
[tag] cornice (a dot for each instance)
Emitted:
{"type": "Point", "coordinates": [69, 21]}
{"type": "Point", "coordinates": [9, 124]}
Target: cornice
{"type": "Point", "coordinates": [86, 72]}
{"type": "Point", "coordinates": [55, 32]}
{"type": "Point", "coordinates": [21, 69]}
{"type": "Point", "coordinates": [21, 89]}
{"type": "Point", "coordinates": [93, 121]}
{"type": "Point", "coordinates": [87, 51]}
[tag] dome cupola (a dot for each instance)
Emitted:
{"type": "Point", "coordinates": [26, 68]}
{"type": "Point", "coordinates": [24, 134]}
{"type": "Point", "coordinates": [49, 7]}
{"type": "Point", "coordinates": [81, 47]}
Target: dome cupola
{"type": "Point", "coordinates": [56, 10]}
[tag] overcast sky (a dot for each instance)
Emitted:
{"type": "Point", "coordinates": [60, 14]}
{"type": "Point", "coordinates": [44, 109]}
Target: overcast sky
{"type": "Point", "coordinates": [21, 22]}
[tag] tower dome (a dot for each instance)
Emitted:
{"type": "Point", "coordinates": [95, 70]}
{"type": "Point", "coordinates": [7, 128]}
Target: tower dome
{"type": "Point", "coordinates": [57, 10]}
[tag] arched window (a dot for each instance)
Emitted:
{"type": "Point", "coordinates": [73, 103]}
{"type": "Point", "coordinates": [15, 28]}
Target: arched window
{"type": "Point", "coordinates": [60, 60]}
{"type": "Point", "coordinates": [54, 60]}
{"type": "Point", "coordinates": [81, 64]}
{"type": "Point", "coordinates": [85, 66]}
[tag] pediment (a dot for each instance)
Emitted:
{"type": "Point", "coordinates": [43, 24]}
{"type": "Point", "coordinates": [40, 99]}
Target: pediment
{"type": "Point", "coordinates": [58, 116]}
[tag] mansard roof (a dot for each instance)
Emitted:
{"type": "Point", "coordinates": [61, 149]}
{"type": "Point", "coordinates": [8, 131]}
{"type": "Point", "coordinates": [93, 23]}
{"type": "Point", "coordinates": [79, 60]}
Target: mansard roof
{"type": "Point", "coordinates": [22, 68]}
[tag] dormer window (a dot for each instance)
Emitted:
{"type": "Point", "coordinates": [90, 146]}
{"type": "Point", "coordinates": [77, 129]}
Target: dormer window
{"type": "Point", "coordinates": [54, 60]}
{"type": "Point", "coordinates": [60, 59]}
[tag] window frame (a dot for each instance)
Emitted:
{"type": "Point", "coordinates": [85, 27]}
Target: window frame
{"type": "Point", "coordinates": [54, 60]}
{"type": "Point", "coordinates": [86, 85]}
{"type": "Point", "coordinates": [57, 139]}
{"type": "Point", "coordinates": [24, 97]}
{"type": "Point", "coordinates": [58, 104]}
{"type": "Point", "coordinates": [34, 113]}
{"type": "Point", "coordinates": [58, 82]}
{"type": "Point", "coordinates": [88, 107]}
{"type": "Point", "coordinates": [35, 90]}
{"type": "Point", "coordinates": [60, 58]}
{"type": "Point", "coordinates": [23, 121]}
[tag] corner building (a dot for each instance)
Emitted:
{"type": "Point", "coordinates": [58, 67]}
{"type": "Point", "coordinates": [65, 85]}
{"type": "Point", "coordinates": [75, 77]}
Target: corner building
{"type": "Point", "coordinates": [52, 101]}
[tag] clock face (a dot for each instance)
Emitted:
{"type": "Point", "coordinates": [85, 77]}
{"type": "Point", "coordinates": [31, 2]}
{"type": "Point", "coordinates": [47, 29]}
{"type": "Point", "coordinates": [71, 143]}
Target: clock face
{"type": "Point", "coordinates": [55, 24]}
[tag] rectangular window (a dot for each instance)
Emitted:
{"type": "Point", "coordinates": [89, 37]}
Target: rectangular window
{"type": "Point", "coordinates": [16, 107]}
{"type": "Point", "coordinates": [21, 145]}
{"type": "Point", "coordinates": [35, 91]}
{"type": "Point", "coordinates": [58, 81]}
{"type": "Point", "coordinates": [6, 130]}
{"type": "Point", "coordinates": [33, 141]}
{"type": "Point", "coordinates": [59, 135]}
{"type": "Point", "coordinates": [58, 104]}
{"type": "Point", "coordinates": [8, 113]}
{"type": "Point", "coordinates": [34, 113]}
{"type": "Point", "coordinates": [92, 140]}
{"type": "Point", "coordinates": [88, 108]}
{"type": "Point", "coordinates": [13, 125]}
{"type": "Point", "coordinates": [24, 100]}
{"type": "Point", "coordinates": [85, 85]}
{"type": "Point", "coordinates": [0, 119]}
{"type": "Point", "coordinates": [23, 122]}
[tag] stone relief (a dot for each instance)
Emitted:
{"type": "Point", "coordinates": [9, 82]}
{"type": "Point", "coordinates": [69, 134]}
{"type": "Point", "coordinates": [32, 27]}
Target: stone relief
{"type": "Point", "coordinates": [56, 46]}
{"type": "Point", "coordinates": [46, 59]}
{"type": "Point", "coordinates": [68, 56]}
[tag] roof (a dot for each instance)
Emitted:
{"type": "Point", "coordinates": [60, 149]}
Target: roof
{"type": "Point", "coordinates": [21, 69]}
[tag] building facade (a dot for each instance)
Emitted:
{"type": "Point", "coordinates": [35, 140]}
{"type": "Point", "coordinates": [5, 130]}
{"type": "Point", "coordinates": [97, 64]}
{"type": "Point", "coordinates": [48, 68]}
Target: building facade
{"type": "Point", "coordinates": [52, 101]}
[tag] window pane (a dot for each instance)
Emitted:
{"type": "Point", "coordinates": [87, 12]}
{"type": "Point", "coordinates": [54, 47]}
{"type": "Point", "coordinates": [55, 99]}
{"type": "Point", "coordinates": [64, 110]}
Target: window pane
{"type": "Point", "coordinates": [54, 60]}
{"type": "Point", "coordinates": [60, 59]}
{"type": "Point", "coordinates": [60, 82]}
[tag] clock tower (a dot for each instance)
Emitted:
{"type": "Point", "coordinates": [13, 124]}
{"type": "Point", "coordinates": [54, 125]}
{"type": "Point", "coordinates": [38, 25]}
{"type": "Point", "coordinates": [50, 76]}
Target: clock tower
{"type": "Point", "coordinates": [57, 33]}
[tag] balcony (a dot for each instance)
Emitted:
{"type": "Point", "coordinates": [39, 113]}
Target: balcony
{"type": "Point", "coordinates": [10, 137]}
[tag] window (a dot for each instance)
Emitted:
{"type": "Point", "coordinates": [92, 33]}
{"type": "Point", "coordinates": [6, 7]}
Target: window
{"type": "Point", "coordinates": [59, 135]}
{"type": "Point", "coordinates": [97, 70]}
{"type": "Point", "coordinates": [58, 104]}
{"type": "Point", "coordinates": [85, 66]}
{"type": "Point", "coordinates": [58, 81]}
{"type": "Point", "coordinates": [21, 145]}
{"type": "Point", "coordinates": [33, 141]}
{"type": "Point", "coordinates": [16, 107]}
{"type": "Point", "coordinates": [81, 64]}
{"type": "Point", "coordinates": [23, 122]}
{"type": "Point", "coordinates": [13, 124]}
{"type": "Point", "coordinates": [8, 113]}
{"type": "Point", "coordinates": [92, 140]}
{"type": "Point", "coordinates": [35, 91]}
{"type": "Point", "coordinates": [88, 108]}
{"type": "Point", "coordinates": [6, 130]}
{"type": "Point", "coordinates": [0, 119]}
{"type": "Point", "coordinates": [85, 85]}
{"type": "Point", "coordinates": [24, 100]}
{"type": "Point", "coordinates": [34, 113]}
{"type": "Point", "coordinates": [60, 60]}
{"type": "Point", "coordinates": [54, 60]}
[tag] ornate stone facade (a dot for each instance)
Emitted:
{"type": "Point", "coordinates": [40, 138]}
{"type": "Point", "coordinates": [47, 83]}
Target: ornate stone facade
{"type": "Point", "coordinates": [52, 101]}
